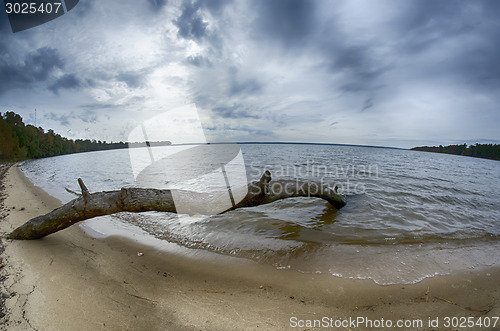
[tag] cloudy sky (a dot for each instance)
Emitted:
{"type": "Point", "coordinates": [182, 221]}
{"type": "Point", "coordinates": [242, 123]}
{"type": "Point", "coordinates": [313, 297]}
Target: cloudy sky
{"type": "Point", "coordinates": [373, 72]}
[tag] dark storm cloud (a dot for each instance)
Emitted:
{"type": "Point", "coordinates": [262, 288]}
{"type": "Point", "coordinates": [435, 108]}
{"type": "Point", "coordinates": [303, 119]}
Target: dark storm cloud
{"type": "Point", "coordinates": [68, 81]}
{"type": "Point", "coordinates": [235, 111]}
{"type": "Point", "coordinates": [416, 28]}
{"type": "Point", "coordinates": [480, 67]}
{"type": "Point", "coordinates": [297, 26]}
{"type": "Point", "coordinates": [190, 23]}
{"type": "Point", "coordinates": [194, 26]}
{"type": "Point", "coordinates": [422, 41]}
{"type": "Point", "coordinates": [40, 63]}
{"type": "Point", "coordinates": [289, 22]}
{"type": "Point", "coordinates": [424, 14]}
{"type": "Point", "coordinates": [290, 62]}
{"type": "Point", "coordinates": [477, 64]}
{"type": "Point", "coordinates": [360, 70]}
{"type": "Point", "coordinates": [429, 25]}
{"type": "Point", "coordinates": [358, 61]}
{"type": "Point", "coordinates": [422, 25]}
{"type": "Point", "coordinates": [36, 68]}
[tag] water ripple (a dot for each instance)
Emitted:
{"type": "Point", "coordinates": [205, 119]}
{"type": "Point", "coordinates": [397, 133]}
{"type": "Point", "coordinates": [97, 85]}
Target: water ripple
{"type": "Point", "coordinates": [398, 202]}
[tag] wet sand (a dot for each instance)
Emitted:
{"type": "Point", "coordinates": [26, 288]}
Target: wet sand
{"type": "Point", "coordinates": [69, 281]}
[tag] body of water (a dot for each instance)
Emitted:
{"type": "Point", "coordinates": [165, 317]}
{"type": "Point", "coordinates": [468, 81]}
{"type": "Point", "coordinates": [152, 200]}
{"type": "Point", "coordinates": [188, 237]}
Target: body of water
{"type": "Point", "coordinates": [409, 215]}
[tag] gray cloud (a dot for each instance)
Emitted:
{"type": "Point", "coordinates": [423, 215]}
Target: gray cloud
{"type": "Point", "coordinates": [214, 6]}
{"type": "Point", "coordinates": [62, 119]}
{"type": "Point", "coordinates": [156, 5]}
{"type": "Point", "coordinates": [4, 23]}
{"type": "Point", "coordinates": [235, 111]}
{"type": "Point", "coordinates": [190, 23]}
{"type": "Point", "coordinates": [239, 132]}
{"type": "Point", "coordinates": [430, 26]}
{"type": "Point", "coordinates": [83, 8]}
{"type": "Point", "coordinates": [289, 23]}
{"type": "Point", "coordinates": [132, 79]}
{"type": "Point", "coordinates": [198, 61]}
{"type": "Point", "coordinates": [242, 86]}
{"type": "Point", "coordinates": [36, 68]}
{"type": "Point", "coordinates": [92, 106]}
{"type": "Point", "coordinates": [367, 104]}
{"type": "Point", "coordinates": [40, 63]}
{"type": "Point", "coordinates": [299, 27]}
{"type": "Point", "coordinates": [88, 117]}
{"type": "Point", "coordinates": [359, 64]}
{"type": "Point", "coordinates": [68, 81]}
{"type": "Point", "coordinates": [272, 66]}
{"type": "Point", "coordinates": [477, 62]}
{"type": "Point", "coordinates": [248, 86]}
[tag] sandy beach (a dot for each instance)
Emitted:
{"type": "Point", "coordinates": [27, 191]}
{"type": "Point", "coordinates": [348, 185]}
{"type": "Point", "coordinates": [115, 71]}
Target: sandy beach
{"type": "Point", "coordinates": [69, 281]}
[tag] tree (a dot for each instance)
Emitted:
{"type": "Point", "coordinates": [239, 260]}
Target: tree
{"type": "Point", "coordinates": [9, 145]}
{"type": "Point", "coordinates": [20, 141]}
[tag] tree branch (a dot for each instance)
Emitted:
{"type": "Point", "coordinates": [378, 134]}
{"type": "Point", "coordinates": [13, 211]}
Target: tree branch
{"type": "Point", "coordinates": [91, 205]}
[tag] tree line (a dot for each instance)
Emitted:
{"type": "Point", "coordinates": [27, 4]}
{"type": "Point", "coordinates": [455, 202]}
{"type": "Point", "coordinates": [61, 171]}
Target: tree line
{"type": "Point", "coordinates": [19, 141]}
{"type": "Point", "coordinates": [486, 151]}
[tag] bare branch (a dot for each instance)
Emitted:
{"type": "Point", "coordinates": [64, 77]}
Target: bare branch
{"type": "Point", "coordinates": [91, 205]}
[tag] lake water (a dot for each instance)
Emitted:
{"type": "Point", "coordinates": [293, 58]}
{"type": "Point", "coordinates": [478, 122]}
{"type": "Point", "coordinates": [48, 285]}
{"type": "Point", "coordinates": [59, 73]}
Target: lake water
{"type": "Point", "coordinates": [409, 215]}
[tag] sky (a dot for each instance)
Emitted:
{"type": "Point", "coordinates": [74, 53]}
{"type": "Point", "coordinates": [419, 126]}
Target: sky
{"type": "Point", "coordinates": [369, 72]}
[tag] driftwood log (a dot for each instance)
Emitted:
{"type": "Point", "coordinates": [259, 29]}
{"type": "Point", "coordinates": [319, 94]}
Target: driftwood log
{"type": "Point", "coordinates": [90, 205]}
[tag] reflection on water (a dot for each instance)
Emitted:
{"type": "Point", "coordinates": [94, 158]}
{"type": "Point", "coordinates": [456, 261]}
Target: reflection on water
{"type": "Point", "coordinates": [409, 215]}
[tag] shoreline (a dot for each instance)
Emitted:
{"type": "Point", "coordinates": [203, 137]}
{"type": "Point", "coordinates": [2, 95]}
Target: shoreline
{"type": "Point", "coordinates": [69, 280]}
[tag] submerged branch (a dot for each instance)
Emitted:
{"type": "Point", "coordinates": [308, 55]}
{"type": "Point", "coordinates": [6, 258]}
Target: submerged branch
{"type": "Point", "coordinates": [90, 205]}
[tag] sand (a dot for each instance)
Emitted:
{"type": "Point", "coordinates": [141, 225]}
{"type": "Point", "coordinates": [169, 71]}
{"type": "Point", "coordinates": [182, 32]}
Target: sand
{"type": "Point", "coordinates": [69, 281]}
